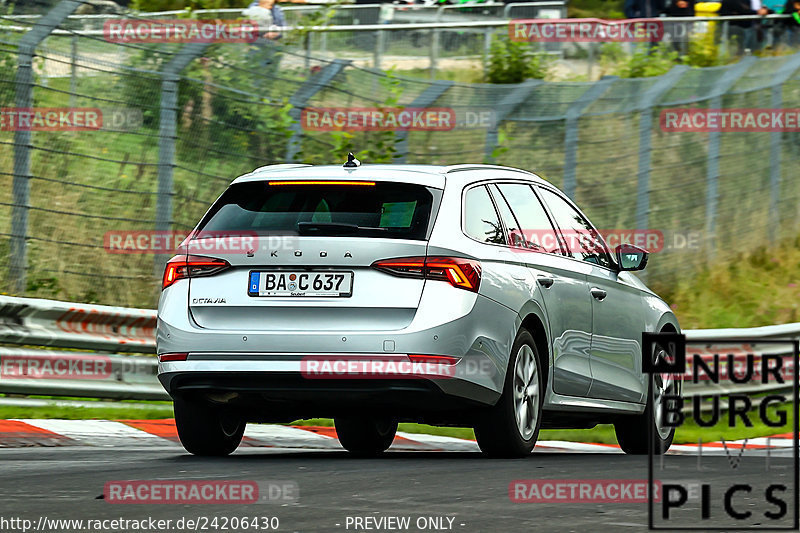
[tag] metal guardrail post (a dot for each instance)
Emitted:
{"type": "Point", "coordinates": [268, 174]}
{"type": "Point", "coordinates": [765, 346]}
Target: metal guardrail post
{"type": "Point", "coordinates": [504, 108]}
{"type": "Point", "coordinates": [426, 98]}
{"type": "Point", "coordinates": [571, 132]}
{"type": "Point", "coordinates": [645, 108]}
{"type": "Point", "coordinates": [167, 133]}
{"type": "Point", "coordinates": [722, 86]}
{"type": "Point", "coordinates": [785, 72]}
{"type": "Point", "coordinates": [21, 186]}
{"type": "Point", "coordinates": [299, 99]}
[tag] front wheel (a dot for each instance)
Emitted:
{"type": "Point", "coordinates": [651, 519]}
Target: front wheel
{"type": "Point", "coordinates": [633, 432]}
{"type": "Point", "coordinates": [206, 430]}
{"type": "Point", "coordinates": [511, 427]}
{"type": "Point", "coordinates": [365, 436]}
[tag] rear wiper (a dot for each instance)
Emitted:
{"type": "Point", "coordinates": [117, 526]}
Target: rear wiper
{"type": "Point", "coordinates": [331, 228]}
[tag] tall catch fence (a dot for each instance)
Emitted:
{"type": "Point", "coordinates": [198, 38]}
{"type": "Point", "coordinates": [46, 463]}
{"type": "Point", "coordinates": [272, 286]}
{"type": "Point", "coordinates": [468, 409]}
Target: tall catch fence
{"type": "Point", "coordinates": [181, 120]}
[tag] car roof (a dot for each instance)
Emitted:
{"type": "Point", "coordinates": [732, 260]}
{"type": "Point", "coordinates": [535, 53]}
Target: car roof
{"type": "Point", "coordinates": [429, 175]}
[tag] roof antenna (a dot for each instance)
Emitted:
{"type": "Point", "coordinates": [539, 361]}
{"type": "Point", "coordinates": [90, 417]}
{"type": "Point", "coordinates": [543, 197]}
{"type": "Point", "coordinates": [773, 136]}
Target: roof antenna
{"type": "Point", "coordinates": [352, 162]}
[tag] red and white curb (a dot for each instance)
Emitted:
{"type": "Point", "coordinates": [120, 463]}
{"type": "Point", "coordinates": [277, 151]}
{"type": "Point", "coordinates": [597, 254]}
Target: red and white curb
{"type": "Point", "coordinates": [162, 433]}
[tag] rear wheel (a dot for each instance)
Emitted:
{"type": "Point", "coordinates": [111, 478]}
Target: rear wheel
{"type": "Point", "coordinates": [206, 430]}
{"type": "Point", "coordinates": [365, 436]}
{"type": "Point", "coordinates": [511, 427]}
{"type": "Point", "coordinates": [633, 431]}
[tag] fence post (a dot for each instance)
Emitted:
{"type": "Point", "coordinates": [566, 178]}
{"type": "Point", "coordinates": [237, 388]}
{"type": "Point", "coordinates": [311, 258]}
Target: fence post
{"type": "Point", "coordinates": [307, 46]}
{"type": "Point", "coordinates": [487, 50]}
{"type": "Point", "coordinates": [504, 108]}
{"type": "Point", "coordinates": [571, 131]}
{"type": "Point", "coordinates": [645, 108]}
{"type": "Point", "coordinates": [426, 98]}
{"type": "Point", "coordinates": [21, 186]}
{"type": "Point", "coordinates": [434, 53]}
{"type": "Point", "coordinates": [783, 74]}
{"type": "Point", "coordinates": [167, 133]}
{"type": "Point", "coordinates": [73, 70]}
{"type": "Point", "coordinates": [299, 99]}
{"type": "Point", "coordinates": [722, 86]}
{"type": "Point", "coordinates": [722, 50]}
{"type": "Point", "coordinates": [379, 44]}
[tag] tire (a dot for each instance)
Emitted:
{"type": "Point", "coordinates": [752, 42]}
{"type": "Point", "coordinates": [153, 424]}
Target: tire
{"type": "Point", "coordinates": [365, 436]}
{"type": "Point", "coordinates": [205, 430]}
{"type": "Point", "coordinates": [507, 430]}
{"type": "Point", "coordinates": [633, 432]}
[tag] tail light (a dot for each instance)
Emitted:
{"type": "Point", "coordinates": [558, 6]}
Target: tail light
{"type": "Point", "coordinates": [459, 272]}
{"type": "Point", "coordinates": [191, 266]}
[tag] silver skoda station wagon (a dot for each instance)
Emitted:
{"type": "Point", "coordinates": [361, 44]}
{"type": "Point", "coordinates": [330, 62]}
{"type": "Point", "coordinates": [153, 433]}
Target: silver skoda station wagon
{"type": "Point", "coordinates": [468, 295]}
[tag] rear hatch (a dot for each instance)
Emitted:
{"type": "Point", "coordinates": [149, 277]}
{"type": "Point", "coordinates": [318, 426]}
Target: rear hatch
{"type": "Point", "coordinates": [300, 255]}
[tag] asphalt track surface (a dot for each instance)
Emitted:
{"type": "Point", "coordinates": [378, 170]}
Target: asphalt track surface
{"type": "Point", "coordinates": [67, 482]}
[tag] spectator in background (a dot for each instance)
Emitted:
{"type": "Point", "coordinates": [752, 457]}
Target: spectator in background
{"type": "Point", "coordinates": [792, 24]}
{"type": "Point", "coordinates": [746, 32]}
{"type": "Point", "coordinates": [267, 14]}
{"type": "Point", "coordinates": [680, 8]}
{"type": "Point", "coordinates": [266, 50]}
{"type": "Point", "coordinates": [678, 32]}
{"type": "Point", "coordinates": [643, 9]}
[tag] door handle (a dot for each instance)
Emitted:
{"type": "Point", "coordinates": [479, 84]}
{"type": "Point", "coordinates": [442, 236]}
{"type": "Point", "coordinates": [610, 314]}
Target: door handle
{"type": "Point", "coordinates": [545, 281]}
{"type": "Point", "coordinates": [598, 294]}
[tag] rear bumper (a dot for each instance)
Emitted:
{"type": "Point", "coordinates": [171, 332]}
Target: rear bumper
{"type": "Point", "coordinates": [285, 378]}
{"type": "Point", "coordinates": [271, 388]}
{"type": "Point", "coordinates": [474, 329]}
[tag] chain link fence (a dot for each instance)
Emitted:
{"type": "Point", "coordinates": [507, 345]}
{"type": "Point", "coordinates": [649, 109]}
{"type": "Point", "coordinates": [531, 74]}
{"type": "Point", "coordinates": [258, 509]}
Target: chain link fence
{"type": "Point", "coordinates": [180, 121]}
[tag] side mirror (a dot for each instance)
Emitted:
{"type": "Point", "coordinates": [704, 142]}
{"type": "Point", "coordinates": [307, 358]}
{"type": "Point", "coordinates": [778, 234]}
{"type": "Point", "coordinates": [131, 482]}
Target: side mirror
{"type": "Point", "coordinates": [630, 257]}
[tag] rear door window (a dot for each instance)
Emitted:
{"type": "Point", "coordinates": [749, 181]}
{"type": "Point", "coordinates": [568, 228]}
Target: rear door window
{"type": "Point", "coordinates": [513, 233]}
{"type": "Point", "coordinates": [480, 217]}
{"type": "Point", "coordinates": [536, 231]}
{"type": "Point", "coordinates": [382, 209]}
{"type": "Point", "coordinates": [582, 240]}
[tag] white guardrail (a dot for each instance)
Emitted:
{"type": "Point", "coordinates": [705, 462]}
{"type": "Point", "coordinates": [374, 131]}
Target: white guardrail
{"type": "Point", "coordinates": [77, 351]}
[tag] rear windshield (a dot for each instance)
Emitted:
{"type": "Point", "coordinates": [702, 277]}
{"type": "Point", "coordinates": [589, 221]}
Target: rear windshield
{"type": "Point", "coordinates": [388, 210]}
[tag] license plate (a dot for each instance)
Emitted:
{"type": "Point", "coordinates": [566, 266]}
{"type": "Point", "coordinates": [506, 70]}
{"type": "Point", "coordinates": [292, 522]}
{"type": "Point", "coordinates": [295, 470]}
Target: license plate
{"type": "Point", "coordinates": [300, 283]}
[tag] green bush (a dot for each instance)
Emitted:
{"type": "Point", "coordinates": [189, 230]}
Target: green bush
{"type": "Point", "coordinates": [646, 61]}
{"type": "Point", "coordinates": [514, 62]}
{"type": "Point", "coordinates": [704, 52]}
